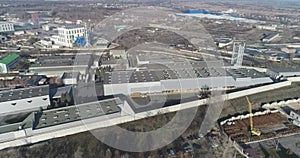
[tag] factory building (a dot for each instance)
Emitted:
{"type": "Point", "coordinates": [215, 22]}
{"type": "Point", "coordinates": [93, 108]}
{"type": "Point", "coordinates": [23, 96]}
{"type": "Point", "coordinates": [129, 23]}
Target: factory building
{"type": "Point", "coordinates": [24, 100]}
{"type": "Point", "coordinates": [70, 78]}
{"type": "Point", "coordinates": [8, 63]}
{"type": "Point", "coordinates": [161, 80]}
{"type": "Point", "coordinates": [270, 37]}
{"type": "Point", "coordinates": [67, 35]}
{"type": "Point", "coordinates": [79, 112]}
{"type": "Point", "coordinates": [282, 73]}
{"type": "Point", "coordinates": [295, 114]}
{"type": "Point", "coordinates": [57, 65]}
{"type": "Point", "coordinates": [6, 27]}
{"type": "Point", "coordinates": [71, 114]}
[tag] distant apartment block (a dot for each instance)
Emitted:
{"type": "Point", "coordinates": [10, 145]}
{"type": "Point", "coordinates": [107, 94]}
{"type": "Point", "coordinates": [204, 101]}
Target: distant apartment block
{"type": "Point", "coordinates": [7, 63]}
{"type": "Point", "coordinates": [68, 35]}
{"type": "Point", "coordinates": [6, 27]}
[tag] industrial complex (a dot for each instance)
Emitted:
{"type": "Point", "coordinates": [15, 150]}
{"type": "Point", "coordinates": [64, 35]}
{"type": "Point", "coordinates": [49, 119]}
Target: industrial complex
{"type": "Point", "coordinates": [69, 68]}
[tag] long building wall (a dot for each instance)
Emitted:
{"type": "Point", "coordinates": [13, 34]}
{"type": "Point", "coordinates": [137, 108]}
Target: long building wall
{"type": "Point", "coordinates": [258, 90]}
{"type": "Point", "coordinates": [24, 105]}
{"type": "Point", "coordinates": [182, 84]}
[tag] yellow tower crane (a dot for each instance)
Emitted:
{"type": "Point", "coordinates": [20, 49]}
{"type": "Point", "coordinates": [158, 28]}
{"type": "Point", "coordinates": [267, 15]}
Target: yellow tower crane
{"type": "Point", "coordinates": [252, 129]}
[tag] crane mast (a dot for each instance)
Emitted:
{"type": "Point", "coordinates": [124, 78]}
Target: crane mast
{"type": "Point", "coordinates": [252, 130]}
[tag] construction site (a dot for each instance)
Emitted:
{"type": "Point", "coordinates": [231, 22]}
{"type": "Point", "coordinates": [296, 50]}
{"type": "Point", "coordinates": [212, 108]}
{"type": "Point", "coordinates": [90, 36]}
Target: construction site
{"type": "Point", "coordinates": [257, 126]}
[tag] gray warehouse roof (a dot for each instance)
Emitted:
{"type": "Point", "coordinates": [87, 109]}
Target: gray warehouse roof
{"type": "Point", "coordinates": [131, 76]}
{"type": "Point", "coordinates": [69, 60]}
{"type": "Point", "coordinates": [282, 70]}
{"type": "Point", "coordinates": [78, 112]}
{"type": "Point", "coordinates": [157, 75]}
{"type": "Point", "coordinates": [16, 94]}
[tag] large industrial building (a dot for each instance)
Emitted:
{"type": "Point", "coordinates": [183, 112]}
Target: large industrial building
{"type": "Point", "coordinates": [43, 120]}
{"type": "Point", "coordinates": [278, 73]}
{"type": "Point", "coordinates": [182, 77]}
{"type": "Point", "coordinates": [8, 63]}
{"type": "Point", "coordinates": [24, 100]}
{"type": "Point", "coordinates": [57, 65]}
{"type": "Point", "coordinates": [78, 112]}
{"type": "Point", "coordinates": [270, 37]}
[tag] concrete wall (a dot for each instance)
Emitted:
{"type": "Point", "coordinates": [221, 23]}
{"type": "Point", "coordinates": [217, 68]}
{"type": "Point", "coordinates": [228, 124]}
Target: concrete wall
{"type": "Point", "coordinates": [128, 88]}
{"type": "Point", "coordinates": [240, 117]}
{"type": "Point", "coordinates": [280, 103]}
{"type": "Point", "coordinates": [257, 90]}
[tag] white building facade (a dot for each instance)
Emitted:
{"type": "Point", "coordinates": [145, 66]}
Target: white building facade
{"type": "Point", "coordinates": [182, 84]}
{"type": "Point", "coordinates": [67, 35]}
{"type": "Point", "coordinates": [6, 27]}
{"type": "Point", "coordinates": [24, 100]}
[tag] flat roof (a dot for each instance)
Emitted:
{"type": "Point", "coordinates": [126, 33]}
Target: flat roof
{"type": "Point", "coordinates": [78, 112]}
{"type": "Point", "coordinates": [70, 75]}
{"type": "Point", "coordinates": [243, 73]}
{"type": "Point", "coordinates": [131, 77]}
{"type": "Point", "coordinates": [22, 93]}
{"type": "Point", "coordinates": [72, 27]}
{"type": "Point", "coordinates": [161, 74]}
{"type": "Point", "coordinates": [9, 58]}
{"type": "Point", "coordinates": [153, 76]}
{"type": "Point", "coordinates": [181, 72]}
{"type": "Point", "coordinates": [70, 60]}
{"type": "Point", "coordinates": [283, 70]}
